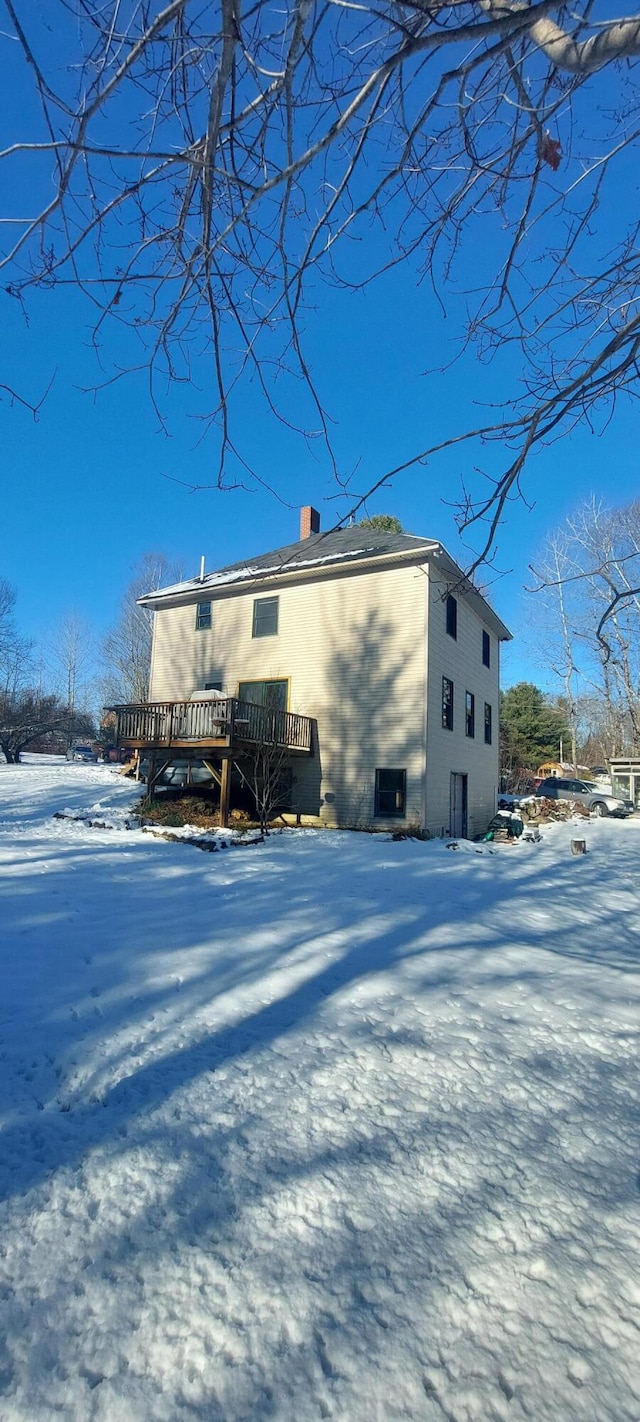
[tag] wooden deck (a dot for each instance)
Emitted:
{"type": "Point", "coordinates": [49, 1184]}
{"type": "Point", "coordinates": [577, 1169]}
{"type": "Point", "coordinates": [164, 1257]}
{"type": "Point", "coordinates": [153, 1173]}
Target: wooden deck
{"type": "Point", "coordinates": [225, 725]}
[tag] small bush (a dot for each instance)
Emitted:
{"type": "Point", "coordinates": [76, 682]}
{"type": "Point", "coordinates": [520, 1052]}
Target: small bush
{"type": "Point", "coordinates": [412, 831]}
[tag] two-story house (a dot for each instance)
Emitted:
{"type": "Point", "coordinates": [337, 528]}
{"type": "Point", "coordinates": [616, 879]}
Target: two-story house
{"type": "Point", "coordinates": [380, 660]}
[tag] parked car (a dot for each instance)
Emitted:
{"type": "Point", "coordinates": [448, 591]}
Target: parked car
{"type": "Point", "coordinates": [85, 753]}
{"type": "Point", "coordinates": [586, 793]}
{"type": "Point", "coordinates": [181, 772]}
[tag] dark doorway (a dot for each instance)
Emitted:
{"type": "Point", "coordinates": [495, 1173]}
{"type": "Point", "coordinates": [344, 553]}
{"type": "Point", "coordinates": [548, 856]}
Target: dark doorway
{"type": "Point", "coordinates": [458, 808]}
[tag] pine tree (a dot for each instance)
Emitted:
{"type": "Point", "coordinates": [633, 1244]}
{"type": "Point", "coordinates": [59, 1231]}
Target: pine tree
{"type": "Point", "coordinates": [385, 523]}
{"type": "Point", "coordinates": [532, 728]}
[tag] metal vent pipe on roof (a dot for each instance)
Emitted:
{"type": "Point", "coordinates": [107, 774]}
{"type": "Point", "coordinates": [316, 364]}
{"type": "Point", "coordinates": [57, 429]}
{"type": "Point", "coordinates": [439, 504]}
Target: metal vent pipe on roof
{"type": "Point", "coordinates": [202, 569]}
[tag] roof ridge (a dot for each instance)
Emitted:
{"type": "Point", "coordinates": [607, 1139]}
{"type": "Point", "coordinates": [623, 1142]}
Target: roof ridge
{"type": "Point", "coordinates": [305, 553]}
{"type": "Point", "coordinates": [375, 535]}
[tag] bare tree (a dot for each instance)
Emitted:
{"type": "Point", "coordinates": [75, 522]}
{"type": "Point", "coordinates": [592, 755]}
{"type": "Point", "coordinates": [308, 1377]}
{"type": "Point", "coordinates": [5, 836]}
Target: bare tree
{"type": "Point", "coordinates": [127, 648]}
{"type": "Point", "coordinates": [26, 717]}
{"type": "Point", "coordinates": [15, 650]}
{"type": "Point", "coordinates": [71, 659]}
{"type": "Point", "coordinates": [560, 637]}
{"type": "Point", "coordinates": [268, 775]}
{"type": "Point", "coordinates": [27, 713]}
{"type": "Point", "coordinates": [7, 631]}
{"type": "Point", "coordinates": [209, 163]}
{"type": "Point", "coordinates": [594, 586]}
{"type": "Point", "coordinates": [609, 540]}
{"type": "Point", "coordinates": [604, 729]}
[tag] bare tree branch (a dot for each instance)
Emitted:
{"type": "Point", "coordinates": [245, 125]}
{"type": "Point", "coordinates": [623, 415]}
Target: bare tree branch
{"type": "Point", "coordinates": [213, 163]}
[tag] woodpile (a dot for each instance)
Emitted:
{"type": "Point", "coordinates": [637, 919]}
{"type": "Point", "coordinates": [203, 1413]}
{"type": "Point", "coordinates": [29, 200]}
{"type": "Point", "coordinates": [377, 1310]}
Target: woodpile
{"type": "Point", "coordinates": [539, 809]}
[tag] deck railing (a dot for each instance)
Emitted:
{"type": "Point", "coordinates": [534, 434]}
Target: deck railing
{"type": "Point", "coordinates": [167, 723]}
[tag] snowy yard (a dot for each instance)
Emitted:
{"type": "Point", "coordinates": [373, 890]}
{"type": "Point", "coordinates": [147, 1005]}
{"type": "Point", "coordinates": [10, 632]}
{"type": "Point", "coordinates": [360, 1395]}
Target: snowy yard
{"type": "Point", "coordinates": [328, 1128]}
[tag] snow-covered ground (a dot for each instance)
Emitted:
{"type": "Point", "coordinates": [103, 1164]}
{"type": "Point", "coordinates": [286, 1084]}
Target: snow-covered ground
{"type": "Point", "coordinates": [332, 1127]}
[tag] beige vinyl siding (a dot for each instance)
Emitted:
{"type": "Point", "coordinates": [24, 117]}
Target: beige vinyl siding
{"type": "Point", "coordinates": [449, 751]}
{"type": "Point", "coordinates": [353, 649]}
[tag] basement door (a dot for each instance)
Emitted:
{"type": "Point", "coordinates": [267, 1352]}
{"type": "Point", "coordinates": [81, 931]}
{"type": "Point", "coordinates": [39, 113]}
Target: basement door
{"type": "Point", "coordinates": [458, 806]}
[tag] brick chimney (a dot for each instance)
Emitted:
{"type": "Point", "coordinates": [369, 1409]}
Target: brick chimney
{"type": "Point", "coordinates": [309, 521]}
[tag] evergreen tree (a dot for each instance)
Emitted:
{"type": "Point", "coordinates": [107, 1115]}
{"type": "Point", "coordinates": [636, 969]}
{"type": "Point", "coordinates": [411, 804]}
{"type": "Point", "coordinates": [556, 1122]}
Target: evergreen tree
{"type": "Point", "coordinates": [385, 523]}
{"type": "Point", "coordinates": [532, 727]}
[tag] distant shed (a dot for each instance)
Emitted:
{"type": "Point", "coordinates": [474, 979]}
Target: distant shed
{"type": "Point", "coordinates": [562, 768]}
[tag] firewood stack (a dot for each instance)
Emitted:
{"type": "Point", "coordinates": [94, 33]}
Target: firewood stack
{"type": "Point", "coordinates": [540, 809]}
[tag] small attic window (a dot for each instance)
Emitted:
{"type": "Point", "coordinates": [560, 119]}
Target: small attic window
{"type": "Point", "coordinates": [452, 616]}
{"type": "Point", "coordinates": [203, 616]}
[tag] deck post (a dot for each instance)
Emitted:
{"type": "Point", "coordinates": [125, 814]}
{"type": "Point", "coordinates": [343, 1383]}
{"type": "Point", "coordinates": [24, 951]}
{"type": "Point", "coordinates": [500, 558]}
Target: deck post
{"type": "Point", "coordinates": [151, 776]}
{"type": "Point", "coordinates": [225, 789]}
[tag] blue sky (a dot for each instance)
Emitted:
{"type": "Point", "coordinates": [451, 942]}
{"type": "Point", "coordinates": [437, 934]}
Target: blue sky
{"type": "Point", "coordinates": [95, 483]}
{"type": "Point", "coordinates": [89, 487]}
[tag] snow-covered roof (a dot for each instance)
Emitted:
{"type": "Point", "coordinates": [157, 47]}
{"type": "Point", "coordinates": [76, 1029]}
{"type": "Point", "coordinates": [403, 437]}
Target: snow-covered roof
{"type": "Point", "coordinates": [337, 549]}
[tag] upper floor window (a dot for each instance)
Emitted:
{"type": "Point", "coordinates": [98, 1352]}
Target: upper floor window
{"type": "Point", "coordinates": [487, 724]}
{"type": "Point", "coordinates": [486, 649]}
{"type": "Point", "coordinates": [203, 615]}
{"type": "Point", "coordinates": [447, 704]}
{"type": "Point", "coordinates": [391, 792]}
{"type": "Point", "coordinates": [452, 616]}
{"type": "Point", "coordinates": [265, 617]}
{"type": "Point", "coordinates": [470, 713]}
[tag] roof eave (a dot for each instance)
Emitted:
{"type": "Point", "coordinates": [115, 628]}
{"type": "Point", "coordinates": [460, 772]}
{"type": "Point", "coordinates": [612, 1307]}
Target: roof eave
{"type": "Point", "coordinates": [187, 592]}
